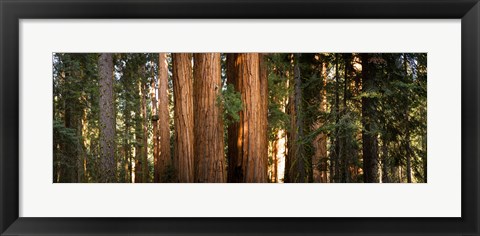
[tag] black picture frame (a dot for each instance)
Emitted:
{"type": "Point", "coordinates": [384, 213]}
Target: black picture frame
{"type": "Point", "coordinates": [11, 11]}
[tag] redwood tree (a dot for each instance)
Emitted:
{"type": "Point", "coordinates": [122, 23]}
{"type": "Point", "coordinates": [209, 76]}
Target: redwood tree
{"type": "Point", "coordinates": [163, 161]}
{"type": "Point", "coordinates": [209, 149]}
{"type": "Point", "coordinates": [247, 149]}
{"type": "Point", "coordinates": [183, 116]}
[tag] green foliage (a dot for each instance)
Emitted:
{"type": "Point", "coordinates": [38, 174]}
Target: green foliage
{"type": "Point", "coordinates": [230, 101]}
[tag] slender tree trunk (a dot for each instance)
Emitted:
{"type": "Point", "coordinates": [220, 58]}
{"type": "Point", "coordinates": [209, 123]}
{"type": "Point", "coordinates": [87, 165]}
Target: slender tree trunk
{"type": "Point", "coordinates": [300, 159]}
{"type": "Point", "coordinates": [336, 161]}
{"type": "Point", "coordinates": [407, 129]}
{"type": "Point", "coordinates": [248, 162]}
{"type": "Point", "coordinates": [291, 135]}
{"type": "Point", "coordinates": [69, 161]}
{"type": "Point", "coordinates": [139, 151]}
{"type": "Point", "coordinates": [154, 119]}
{"type": "Point", "coordinates": [127, 147]}
{"type": "Point", "coordinates": [145, 172]}
{"type": "Point", "coordinates": [183, 117]}
{"type": "Point", "coordinates": [385, 177]}
{"type": "Point", "coordinates": [209, 153]}
{"type": "Point", "coordinates": [107, 119]}
{"type": "Point", "coordinates": [320, 142]}
{"type": "Point", "coordinates": [234, 165]}
{"type": "Point", "coordinates": [369, 139]}
{"type": "Point", "coordinates": [263, 110]}
{"type": "Point", "coordinates": [424, 148]}
{"type": "Point", "coordinates": [163, 138]}
{"type": "Point", "coordinates": [275, 152]}
{"type": "Point", "coordinates": [345, 147]}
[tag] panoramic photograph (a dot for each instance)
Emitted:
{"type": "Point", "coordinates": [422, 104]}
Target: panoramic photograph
{"type": "Point", "coordinates": [239, 117]}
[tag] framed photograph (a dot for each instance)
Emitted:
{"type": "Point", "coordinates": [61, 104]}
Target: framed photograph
{"type": "Point", "coordinates": [239, 117]}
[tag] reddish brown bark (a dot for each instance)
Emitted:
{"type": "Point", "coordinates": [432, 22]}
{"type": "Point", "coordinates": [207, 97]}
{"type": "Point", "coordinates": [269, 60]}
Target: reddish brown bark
{"type": "Point", "coordinates": [320, 142]}
{"type": "Point", "coordinates": [163, 160]}
{"type": "Point", "coordinates": [209, 152]}
{"type": "Point", "coordinates": [183, 116]}
{"type": "Point", "coordinates": [248, 157]}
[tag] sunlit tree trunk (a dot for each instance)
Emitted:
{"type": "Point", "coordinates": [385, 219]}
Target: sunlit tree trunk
{"type": "Point", "coordinates": [183, 117]}
{"type": "Point", "coordinates": [263, 109]}
{"type": "Point", "coordinates": [208, 119]}
{"type": "Point", "coordinates": [248, 157]}
{"type": "Point", "coordinates": [163, 161]}
{"type": "Point", "coordinates": [107, 119]}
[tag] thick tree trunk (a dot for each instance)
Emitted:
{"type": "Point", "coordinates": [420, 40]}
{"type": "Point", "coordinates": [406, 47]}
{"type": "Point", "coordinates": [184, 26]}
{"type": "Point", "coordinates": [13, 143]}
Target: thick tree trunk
{"type": "Point", "coordinates": [107, 119]}
{"type": "Point", "coordinates": [209, 153]}
{"type": "Point", "coordinates": [183, 116]}
{"type": "Point", "coordinates": [369, 139]}
{"type": "Point", "coordinates": [164, 160]}
{"type": "Point", "coordinates": [248, 157]}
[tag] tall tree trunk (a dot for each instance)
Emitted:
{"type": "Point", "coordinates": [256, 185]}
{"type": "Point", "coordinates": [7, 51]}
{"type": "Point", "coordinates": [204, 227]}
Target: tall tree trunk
{"type": "Point", "coordinates": [154, 119]}
{"type": "Point", "coordinates": [263, 110]}
{"type": "Point", "coordinates": [164, 160]}
{"type": "Point", "coordinates": [274, 167]}
{"type": "Point", "coordinates": [407, 128]}
{"type": "Point", "coordinates": [369, 139]}
{"type": "Point", "coordinates": [296, 165]}
{"type": "Point", "coordinates": [69, 161]}
{"type": "Point", "coordinates": [300, 159]}
{"type": "Point", "coordinates": [139, 136]}
{"type": "Point", "coordinates": [234, 170]}
{"type": "Point", "coordinates": [336, 155]}
{"type": "Point", "coordinates": [385, 164]}
{"type": "Point", "coordinates": [145, 134]}
{"type": "Point", "coordinates": [183, 116]}
{"type": "Point", "coordinates": [127, 148]}
{"type": "Point", "coordinates": [247, 159]}
{"type": "Point", "coordinates": [291, 134]}
{"type": "Point", "coordinates": [107, 119]}
{"type": "Point", "coordinates": [208, 119]}
{"type": "Point", "coordinates": [345, 147]}
{"type": "Point", "coordinates": [320, 142]}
